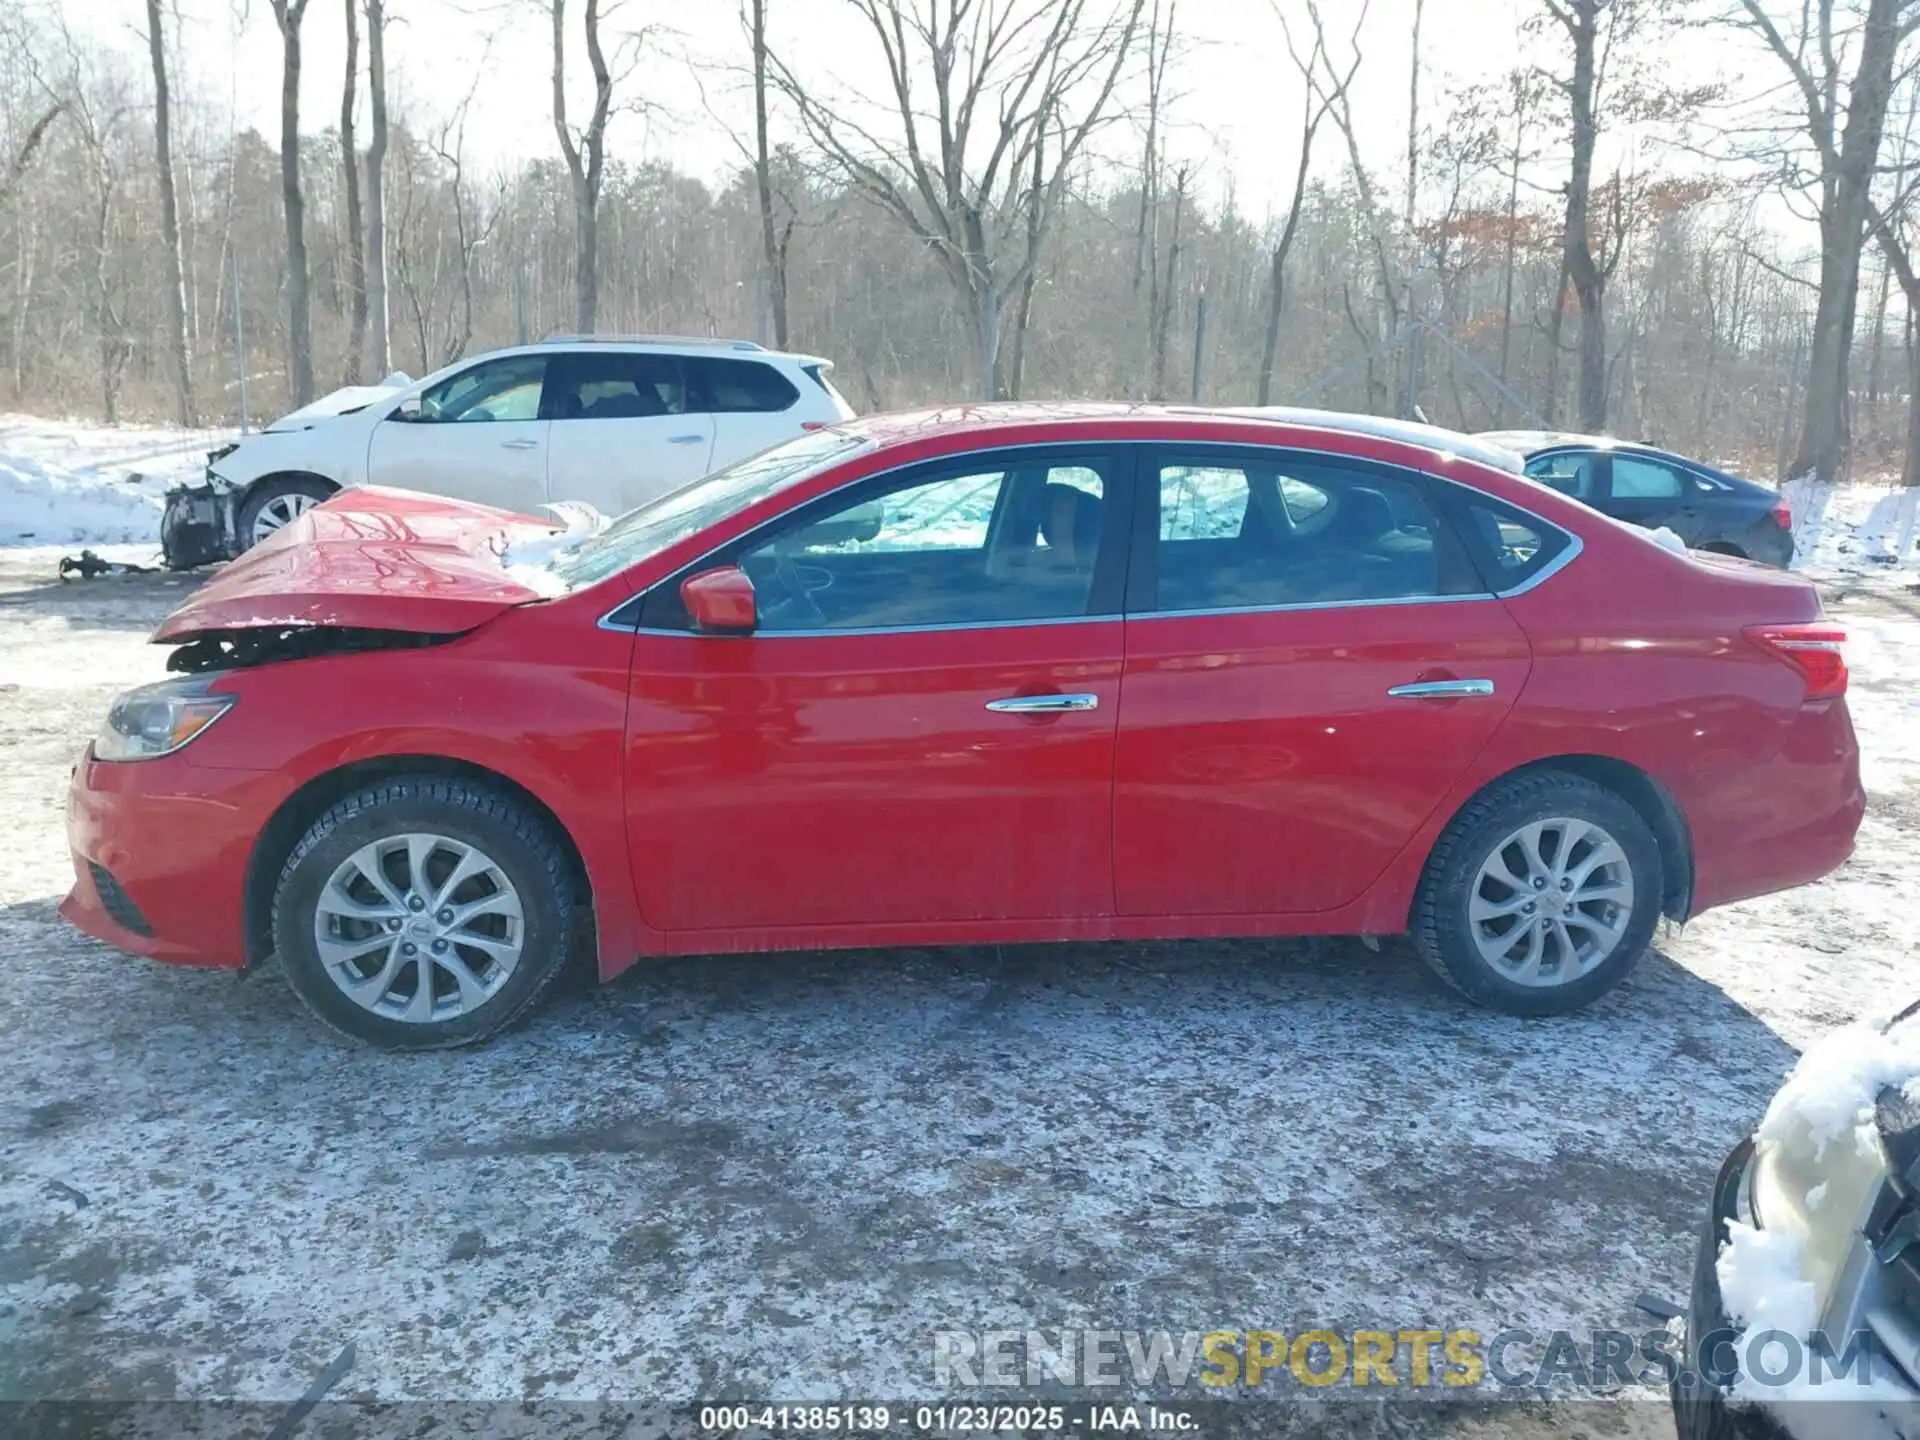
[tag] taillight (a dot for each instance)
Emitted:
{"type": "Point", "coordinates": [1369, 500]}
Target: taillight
{"type": "Point", "coordinates": [1783, 515]}
{"type": "Point", "coordinates": [1813, 650]}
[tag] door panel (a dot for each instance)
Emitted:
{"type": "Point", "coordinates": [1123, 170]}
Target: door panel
{"type": "Point", "coordinates": [861, 779]}
{"type": "Point", "coordinates": [854, 761]}
{"type": "Point", "coordinates": [1261, 765]}
{"type": "Point", "coordinates": [624, 429]}
{"type": "Point", "coordinates": [615, 465]}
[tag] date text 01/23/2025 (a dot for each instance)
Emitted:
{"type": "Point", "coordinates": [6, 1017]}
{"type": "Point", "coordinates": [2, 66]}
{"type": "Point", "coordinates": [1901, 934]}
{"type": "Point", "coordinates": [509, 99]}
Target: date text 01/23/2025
{"type": "Point", "coordinates": [877, 1419]}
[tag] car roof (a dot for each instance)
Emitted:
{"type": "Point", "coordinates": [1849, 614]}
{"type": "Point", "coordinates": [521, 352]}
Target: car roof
{"type": "Point", "coordinates": [1190, 421]}
{"type": "Point", "coordinates": [664, 345]}
{"type": "Point", "coordinates": [1538, 442]}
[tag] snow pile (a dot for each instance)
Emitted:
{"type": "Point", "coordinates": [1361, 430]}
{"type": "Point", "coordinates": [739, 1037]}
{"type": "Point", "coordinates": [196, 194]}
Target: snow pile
{"type": "Point", "coordinates": [1668, 540]}
{"type": "Point", "coordinates": [65, 483]}
{"type": "Point", "coordinates": [1853, 528]}
{"type": "Point", "coordinates": [528, 562]}
{"type": "Point", "coordinates": [1827, 1102]}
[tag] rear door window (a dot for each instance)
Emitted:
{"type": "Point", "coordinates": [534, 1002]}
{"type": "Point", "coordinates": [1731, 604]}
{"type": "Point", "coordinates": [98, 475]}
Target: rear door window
{"type": "Point", "coordinates": [1287, 530]}
{"type": "Point", "coordinates": [1637, 479]}
{"type": "Point", "coordinates": [616, 385]}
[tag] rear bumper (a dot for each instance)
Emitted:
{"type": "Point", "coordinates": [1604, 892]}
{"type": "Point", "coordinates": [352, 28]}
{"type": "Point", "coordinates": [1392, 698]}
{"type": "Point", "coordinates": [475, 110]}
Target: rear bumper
{"type": "Point", "coordinates": [1797, 821]}
{"type": "Point", "coordinates": [160, 853]}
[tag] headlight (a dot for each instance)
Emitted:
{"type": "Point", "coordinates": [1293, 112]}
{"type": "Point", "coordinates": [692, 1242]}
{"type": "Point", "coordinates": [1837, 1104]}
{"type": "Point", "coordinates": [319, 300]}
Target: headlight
{"type": "Point", "coordinates": [158, 719]}
{"type": "Point", "coordinates": [1817, 1194]}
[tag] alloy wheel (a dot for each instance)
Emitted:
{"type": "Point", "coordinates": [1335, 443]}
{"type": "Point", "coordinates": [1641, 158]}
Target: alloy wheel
{"type": "Point", "coordinates": [280, 511]}
{"type": "Point", "coordinates": [1551, 902]}
{"type": "Point", "coordinates": [419, 927]}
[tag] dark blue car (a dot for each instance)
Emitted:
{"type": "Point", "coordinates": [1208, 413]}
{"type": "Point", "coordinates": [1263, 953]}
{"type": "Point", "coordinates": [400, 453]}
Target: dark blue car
{"type": "Point", "coordinates": [1707, 508]}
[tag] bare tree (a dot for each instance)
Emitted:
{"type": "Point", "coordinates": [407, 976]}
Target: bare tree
{"type": "Point", "coordinates": [288, 15]}
{"type": "Point", "coordinates": [350, 186]}
{"type": "Point", "coordinates": [1580, 19]}
{"type": "Point", "coordinates": [1320, 92]}
{"type": "Point", "coordinates": [773, 245]}
{"type": "Point", "coordinates": [170, 215]}
{"type": "Point", "coordinates": [1844, 134]}
{"type": "Point", "coordinates": [379, 356]}
{"type": "Point", "coordinates": [28, 147]}
{"type": "Point", "coordinates": [585, 154]}
{"type": "Point", "coordinates": [957, 178]}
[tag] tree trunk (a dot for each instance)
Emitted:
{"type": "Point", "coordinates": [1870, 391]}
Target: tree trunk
{"type": "Point", "coordinates": [299, 305]}
{"type": "Point", "coordinates": [771, 248]}
{"type": "Point", "coordinates": [379, 356]}
{"type": "Point", "coordinates": [586, 260]}
{"type": "Point", "coordinates": [350, 176]}
{"type": "Point", "coordinates": [986, 339]}
{"type": "Point", "coordinates": [1877, 343]}
{"type": "Point", "coordinates": [1510, 246]}
{"type": "Point", "coordinates": [1843, 225]}
{"type": "Point", "coordinates": [1163, 322]}
{"type": "Point", "coordinates": [1910, 462]}
{"type": "Point", "coordinates": [170, 219]}
{"type": "Point", "coordinates": [1589, 282]}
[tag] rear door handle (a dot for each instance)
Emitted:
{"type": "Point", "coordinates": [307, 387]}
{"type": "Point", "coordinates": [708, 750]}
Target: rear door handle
{"type": "Point", "coordinates": [685, 439]}
{"type": "Point", "coordinates": [1441, 689]}
{"type": "Point", "coordinates": [518, 444]}
{"type": "Point", "coordinates": [1043, 704]}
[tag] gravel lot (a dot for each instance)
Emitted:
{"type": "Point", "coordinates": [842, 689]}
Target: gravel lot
{"type": "Point", "coordinates": [782, 1175]}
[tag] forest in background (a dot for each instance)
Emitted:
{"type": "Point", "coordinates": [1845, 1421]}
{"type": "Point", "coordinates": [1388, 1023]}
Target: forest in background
{"type": "Point", "coordinates": [1493, 274]}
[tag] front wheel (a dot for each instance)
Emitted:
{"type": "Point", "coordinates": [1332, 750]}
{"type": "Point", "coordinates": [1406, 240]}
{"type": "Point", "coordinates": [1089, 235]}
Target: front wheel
{"type": "Point", "coordinates": [423, 912]}
{"type": "Point", "coordinates": [276, 502]}
{"type": "Point", "coordinates": [1540, 895]}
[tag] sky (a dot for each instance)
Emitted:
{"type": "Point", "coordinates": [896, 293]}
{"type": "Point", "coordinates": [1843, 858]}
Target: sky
{"type": "Point", "coordinates": [1234, 110]}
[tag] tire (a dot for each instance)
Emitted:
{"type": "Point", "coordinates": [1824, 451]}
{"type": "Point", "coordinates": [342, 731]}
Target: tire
{"type": "Point", "coordinates": [515, 908]}
{"type": "Point", "coordinates": [1454, 942]}
{"type": "Point", "coordinates": [281, 496]}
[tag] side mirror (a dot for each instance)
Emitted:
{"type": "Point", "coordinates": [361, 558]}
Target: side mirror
{"type": "Point", "coordinates": [408, 408]}
{"type": "Point", "coordinates": [720, 601]}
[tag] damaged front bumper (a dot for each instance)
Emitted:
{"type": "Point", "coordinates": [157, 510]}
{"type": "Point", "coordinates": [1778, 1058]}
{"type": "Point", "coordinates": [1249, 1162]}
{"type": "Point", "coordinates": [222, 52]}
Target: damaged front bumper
{"type": "Point", "coordinates": [199, 525]}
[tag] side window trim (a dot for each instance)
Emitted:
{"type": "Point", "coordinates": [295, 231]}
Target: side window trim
{"type": "Point", "coordinates": [642, 613]}
{"type": "Point", "coordinates": [1142, 594]}
{"type": "Point", "coordinates": [1456, 496]}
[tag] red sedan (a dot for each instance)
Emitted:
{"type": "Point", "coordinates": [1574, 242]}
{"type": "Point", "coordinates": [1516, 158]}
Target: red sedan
{"type": "Point", "coordinates": [1002, 674]}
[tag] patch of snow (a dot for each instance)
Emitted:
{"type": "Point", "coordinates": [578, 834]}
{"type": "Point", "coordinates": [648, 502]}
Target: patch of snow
{"type": "Point", "coordinates": [529, 562]}
{"type": "Point", "coordinates": [1764, 1274]}
{"type": "Point", "coordinates": [69, 483]}
{"type": "Point", "coordinates": [1853, 529]}
{"type": "Point", "coordinates": [1833, 1089]}
{"type": "Point", "coordinates": [1667, 540]}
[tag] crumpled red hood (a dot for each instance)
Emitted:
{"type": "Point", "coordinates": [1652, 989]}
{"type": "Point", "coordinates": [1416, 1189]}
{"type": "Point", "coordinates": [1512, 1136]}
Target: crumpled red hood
{"type": "Point", "coordinates": [369, 558]}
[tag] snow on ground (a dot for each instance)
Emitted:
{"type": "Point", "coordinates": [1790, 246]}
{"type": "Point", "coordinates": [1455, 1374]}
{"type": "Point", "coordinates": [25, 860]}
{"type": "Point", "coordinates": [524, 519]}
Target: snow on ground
{"type": "Point", "coordinates": [1854, 529]}
{"type": "Point", "coordinates": [70, 483]}
{"type": "Point", "coordinates": [783, 1175]}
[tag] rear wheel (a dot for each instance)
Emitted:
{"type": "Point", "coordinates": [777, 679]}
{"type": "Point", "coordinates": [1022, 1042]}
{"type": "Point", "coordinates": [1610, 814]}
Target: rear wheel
{"type": "Point", "coordinates": [1540, 894]}
{"type": "Point", "coordinates": [276, 502]}
{"type": "Point", "coordinates": [423, 912]}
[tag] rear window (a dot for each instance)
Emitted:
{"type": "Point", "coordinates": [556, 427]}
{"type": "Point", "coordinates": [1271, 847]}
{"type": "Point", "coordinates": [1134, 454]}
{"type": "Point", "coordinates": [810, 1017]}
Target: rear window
{"type": "Point", "coordinates": [1510, 546]}
{"type": "Point", "coordinates": [736, 386]}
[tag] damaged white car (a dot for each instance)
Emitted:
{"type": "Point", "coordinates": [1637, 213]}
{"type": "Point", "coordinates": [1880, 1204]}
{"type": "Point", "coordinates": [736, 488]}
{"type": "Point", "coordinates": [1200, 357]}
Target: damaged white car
{"type": "Point", "coordinates": [1805, 1313]}
{"type": "Point", "coordinates": [612, 422]}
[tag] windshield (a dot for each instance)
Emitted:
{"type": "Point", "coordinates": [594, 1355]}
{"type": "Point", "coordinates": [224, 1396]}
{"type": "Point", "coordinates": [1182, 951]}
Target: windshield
{"type": "Point", "coordinates": [652, 527]}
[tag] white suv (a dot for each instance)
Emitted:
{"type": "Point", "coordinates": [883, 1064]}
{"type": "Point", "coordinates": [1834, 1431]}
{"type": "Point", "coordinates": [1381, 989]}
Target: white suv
{"type": "Point", "coordinates": [611, 421]}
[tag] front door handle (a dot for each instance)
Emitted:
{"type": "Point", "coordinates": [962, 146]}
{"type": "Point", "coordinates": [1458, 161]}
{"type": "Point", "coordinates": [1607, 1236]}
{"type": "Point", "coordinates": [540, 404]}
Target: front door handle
{"type": "Point", "coordinates": [1441, 689]}
{"type": "Point", "coordinates": [1043, 704]}
{"type": "Point", "coordinates": [685, 439]}
{"type": "Point", "coordinates": [518, 444]}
